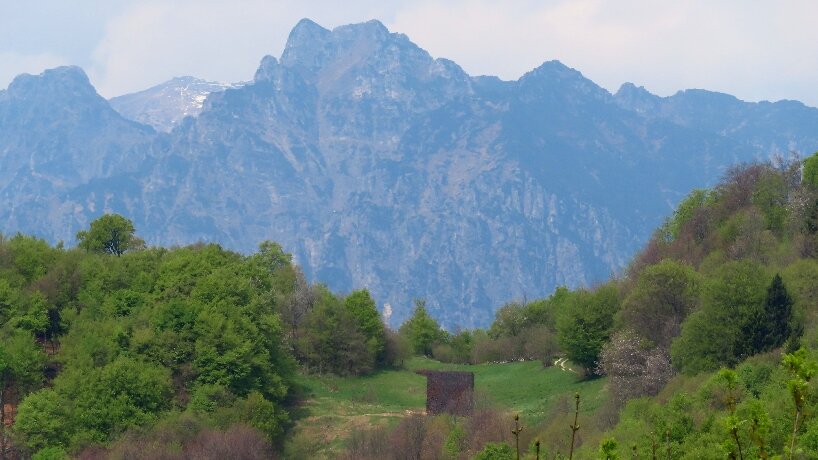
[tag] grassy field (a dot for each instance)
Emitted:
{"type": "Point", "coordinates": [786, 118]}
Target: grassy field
{"type": "Point", "coordinates": [525, 388]}
{"type": "Point", "coordinates": [334, 406]}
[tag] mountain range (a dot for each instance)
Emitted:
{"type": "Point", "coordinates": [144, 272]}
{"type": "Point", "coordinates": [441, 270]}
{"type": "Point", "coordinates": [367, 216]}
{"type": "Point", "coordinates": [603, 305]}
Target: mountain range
{"type": "Point", "coordinates": [379, 166]}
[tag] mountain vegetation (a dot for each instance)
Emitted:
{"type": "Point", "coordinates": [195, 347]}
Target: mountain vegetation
{"type": "Point", "coordinates": [112, 336]}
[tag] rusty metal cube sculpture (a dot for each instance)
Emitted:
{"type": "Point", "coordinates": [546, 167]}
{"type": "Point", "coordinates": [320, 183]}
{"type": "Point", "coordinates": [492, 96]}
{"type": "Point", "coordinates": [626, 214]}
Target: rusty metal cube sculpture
{"type": "Point", "coordinates": [449, 392]}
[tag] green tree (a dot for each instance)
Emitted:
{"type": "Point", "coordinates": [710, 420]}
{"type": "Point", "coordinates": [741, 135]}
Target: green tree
{"type": "Point", "coordinates": [810, 174]}
{"type": "Point", "coordinates": [455, 442]}
{"type": "Point", "coordinates": [259, 413]}
{"type": "Point", "coordinates": [35, 317]}
{"type": "Point", "coordinates": [42, 420]}
{"type": "Point", "coordinates": [608, 449]}
{"type": "Point", "coordinates": [495, 451]}
{"type": "Point", "coordinates": [21, 362]}
{"type": "Point", "coordinates": [585, 326]}
{"type": "Point", "coordinates": [139, 335]}
{"type": "Point", "coordinates": [331, 340]}
{"type": "Point", "coordinates": [716, 334]}
{"type": "Point", "coordinates": [21, 370]}
{"type": "Point", "coordinates": [460, 345]}
{"type": "Point", "coordinates": [225, 353]}
{"type": "Point", "coordinates": [8, 299]}
{"type": "Point", "coordinates": [685, 212]}
{"type": "Point", "coordinates": [272, 257]}
{"type": "Point", "coordinates": [770, 196]}
{"type": "Point", "coordinates": [770, 327]}
{"type": "Point", "coordinates": [30, 256]}
{"type": "Point", "coordinates": [509, 321]}
{"type": "Point", "coordinates": [110, 234]}
{"type": "Point", "coordinates": [664, 294]}
{"type": "Point", "coordinates": [51, 453]}
{"type": "Point", "coordinates": [180, 270]}
{"type": "Point", "coordinates": [421, 330]}
{"type": "Point", "coordinates": [91, 405]}
{"type": "Point", "coordinates": [208, 398]}
{"type": "Point", "coordinates": [541, 311]}
{"type": "Point", "coordinates": [802, 368]}
{"type": "Point", "coordinates": [362, 307]}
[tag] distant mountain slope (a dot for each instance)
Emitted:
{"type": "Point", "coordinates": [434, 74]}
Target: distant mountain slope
{"type": "Point", "coordinates": [57, 133]}
{"type": "Point", "coordinates": [380, 166]}
{"type": "Point", "coordinates": [781, 125]}
{"type": "Point", "coordinates": [164, 105]}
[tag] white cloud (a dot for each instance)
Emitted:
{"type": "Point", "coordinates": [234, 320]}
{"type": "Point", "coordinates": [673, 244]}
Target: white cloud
{"type": "Point", "coordinates": [753, 49]}
{"type": "Point", "coordinates": [156, 40]}
{"type": "Point", "coordinates": [14, 64]}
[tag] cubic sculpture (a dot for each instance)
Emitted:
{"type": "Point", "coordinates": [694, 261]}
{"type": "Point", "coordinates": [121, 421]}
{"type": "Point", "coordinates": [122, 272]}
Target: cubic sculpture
{"type": "Point", "coordinates": [449, 392]}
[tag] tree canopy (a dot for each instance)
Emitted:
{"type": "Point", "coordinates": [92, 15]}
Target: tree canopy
{"type": "Point", "coordinates": [421, 330]}
{"type": "Point", "coordinates": [110, 234]}
{"type": "Point", "coordinates": [810, 171]}
{"type": "Point", "coordinates": [586, 323]}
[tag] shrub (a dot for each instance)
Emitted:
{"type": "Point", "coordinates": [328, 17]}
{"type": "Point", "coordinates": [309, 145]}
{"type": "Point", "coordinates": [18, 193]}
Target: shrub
{"type": "Point", "coordinates": [495, 451]}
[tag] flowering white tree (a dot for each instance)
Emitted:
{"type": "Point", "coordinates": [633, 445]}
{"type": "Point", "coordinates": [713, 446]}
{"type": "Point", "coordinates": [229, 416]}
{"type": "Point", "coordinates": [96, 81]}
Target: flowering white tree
{"type": "Point", "coordinates": [634, 368]}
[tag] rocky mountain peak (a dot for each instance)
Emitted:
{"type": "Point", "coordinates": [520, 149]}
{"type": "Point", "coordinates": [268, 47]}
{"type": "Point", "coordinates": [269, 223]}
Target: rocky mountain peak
{"type": "Point", "coordinates": [56, 130]}
{"type": "Point", "coordinates": [267, 69]}
{"type": "Point", "coordinates": [637, 98]}
{"type": "Point", "coordinates": [306, 46]}
{"type": "Point", "coordinates": [372, 30]}
{"type": "Point", "coordinates": [553, 71]}
{"type": "Point", "coordinates": [58, 83]}
{"type": "Point", "coordinates": [629, 90]}
{"type": "Point", "coordinates": [317, 53]}
{"type": "Point", "coordinates": [365, 61]}
{"type": "Point", "coordinates": [306, 29]}
{"type": "Point", "coordinates": [311, 48]}
{"type": "Point", "coordinates": [703, 96]}
{"type": "Point", "coordinates": [556, 81]}
{"type": "Point", "coordinates": [54, 96]}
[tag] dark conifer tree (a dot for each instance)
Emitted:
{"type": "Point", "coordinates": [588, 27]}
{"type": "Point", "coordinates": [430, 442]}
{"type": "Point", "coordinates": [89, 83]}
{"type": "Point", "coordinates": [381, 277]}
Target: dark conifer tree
{"type": "Point", "coordinates": [778, 312]}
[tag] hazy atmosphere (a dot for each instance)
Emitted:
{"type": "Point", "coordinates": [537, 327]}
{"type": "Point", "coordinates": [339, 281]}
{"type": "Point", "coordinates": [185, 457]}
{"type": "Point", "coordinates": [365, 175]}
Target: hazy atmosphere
{"type": "Point", "coordinates": [752, 49]}
{"type": "Point", "coordinates": [390, 230]}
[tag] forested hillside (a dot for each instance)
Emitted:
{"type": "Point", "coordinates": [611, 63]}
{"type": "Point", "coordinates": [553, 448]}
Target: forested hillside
{"type": "Point", "coordinates": [195, 341]}
{"type": "Point", "coordinates": [726, 295]}
{"type": "Point", "coordinates": [710, 341]}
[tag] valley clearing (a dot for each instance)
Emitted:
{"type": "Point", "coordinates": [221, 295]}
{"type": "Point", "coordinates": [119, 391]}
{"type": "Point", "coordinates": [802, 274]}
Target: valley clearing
{"type": "Point", "coordinates": [335, 407]}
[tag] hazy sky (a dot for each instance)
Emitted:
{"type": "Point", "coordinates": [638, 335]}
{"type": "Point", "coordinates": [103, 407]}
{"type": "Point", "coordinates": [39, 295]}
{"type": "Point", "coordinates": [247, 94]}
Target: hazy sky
{"type": "Point", "coordinates": [753, 49]}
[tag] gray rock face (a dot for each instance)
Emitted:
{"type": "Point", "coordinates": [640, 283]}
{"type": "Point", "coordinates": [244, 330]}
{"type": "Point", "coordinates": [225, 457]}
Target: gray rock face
{"type": "Point", "coordinates": [165, 105]}
{"type": "Point", "coordinates": [378, 166]}
{"type": "Point", "coordinates": [56, 135]}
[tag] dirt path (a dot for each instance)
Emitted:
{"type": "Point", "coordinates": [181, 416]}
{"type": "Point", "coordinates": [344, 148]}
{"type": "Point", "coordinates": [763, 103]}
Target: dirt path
{"type": "Point", "coordinates": [405, 413]}
{"type": "Point", "coordinates": [561, 363]}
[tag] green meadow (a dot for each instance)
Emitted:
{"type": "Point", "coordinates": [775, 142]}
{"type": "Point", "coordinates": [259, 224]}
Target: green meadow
{"type": "Point", "coordinates": [334, 407]}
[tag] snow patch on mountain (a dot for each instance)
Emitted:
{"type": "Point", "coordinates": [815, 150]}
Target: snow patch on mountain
{"type": "Point", "coordinates": [165, 105]}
